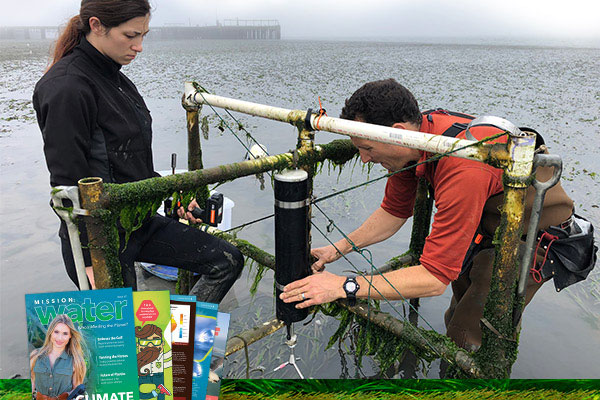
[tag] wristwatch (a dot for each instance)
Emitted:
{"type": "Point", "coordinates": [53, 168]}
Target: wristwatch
{"type": "Point", "coordinates": [351, 288]}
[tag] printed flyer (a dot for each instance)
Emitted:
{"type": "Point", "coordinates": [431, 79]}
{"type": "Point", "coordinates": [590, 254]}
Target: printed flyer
{"type": "Point", "coordinates": [153, 344]}
{"type": "Point", "coordinates": [183, 310]}
{"type": "Point", "coordinates": [82, 342]}
{"type": "Point", "coordinates": [206, 323]}
{"type": "Point", "coordinates": [218, 357]}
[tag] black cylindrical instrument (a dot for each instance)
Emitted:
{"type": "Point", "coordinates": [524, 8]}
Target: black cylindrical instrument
{"type": "Point", "coordinates": [291, 238]}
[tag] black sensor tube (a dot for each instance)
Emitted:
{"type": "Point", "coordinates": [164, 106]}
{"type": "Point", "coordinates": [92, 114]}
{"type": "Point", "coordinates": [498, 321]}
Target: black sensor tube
{"type": "Point", "coordinates": [291, 238]}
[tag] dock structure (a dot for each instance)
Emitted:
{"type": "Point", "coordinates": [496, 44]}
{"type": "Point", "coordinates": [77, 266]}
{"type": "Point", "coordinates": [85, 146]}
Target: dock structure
{"type": "Point", "coordinates": [240, 29]}
{"type": "Point", "coordinates": [233, 29]}
{"type": "Point", "coordinates": [28, 32]}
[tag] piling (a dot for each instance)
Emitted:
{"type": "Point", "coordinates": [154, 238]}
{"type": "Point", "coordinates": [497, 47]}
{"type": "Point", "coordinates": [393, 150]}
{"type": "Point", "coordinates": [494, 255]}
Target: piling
{"type": "Point", "coordinates": [91, 191]}
{"type": "Point", "coordinates": [499, 345]}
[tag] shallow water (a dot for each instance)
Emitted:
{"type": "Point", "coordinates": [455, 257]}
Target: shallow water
{"type": "Point", "coordinates": [555, 90]}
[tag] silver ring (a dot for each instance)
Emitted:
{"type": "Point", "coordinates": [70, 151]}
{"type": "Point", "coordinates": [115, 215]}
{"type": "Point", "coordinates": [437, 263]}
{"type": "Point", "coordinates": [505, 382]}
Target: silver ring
{"type": "Point", "coordinates": [302, 295]}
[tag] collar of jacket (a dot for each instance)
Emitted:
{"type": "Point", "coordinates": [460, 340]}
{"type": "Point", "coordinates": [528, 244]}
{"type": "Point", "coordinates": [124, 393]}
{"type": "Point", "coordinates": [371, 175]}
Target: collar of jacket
{"type": "Point", "coordinates": [106, 66]}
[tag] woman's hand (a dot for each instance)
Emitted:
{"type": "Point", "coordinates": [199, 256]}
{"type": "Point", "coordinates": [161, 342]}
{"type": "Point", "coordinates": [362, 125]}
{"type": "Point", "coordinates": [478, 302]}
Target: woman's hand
{"type": "Point", "coordinates": [188, 215]}
{"type": "Point", "coordinates": [323, 287]}
{"type": "Point", "coordinates": [323, 255]}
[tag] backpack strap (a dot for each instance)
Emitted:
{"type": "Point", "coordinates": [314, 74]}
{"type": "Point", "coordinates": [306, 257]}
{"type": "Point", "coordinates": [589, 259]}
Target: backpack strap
{"type": "Point", "coordinates": [446, 112]}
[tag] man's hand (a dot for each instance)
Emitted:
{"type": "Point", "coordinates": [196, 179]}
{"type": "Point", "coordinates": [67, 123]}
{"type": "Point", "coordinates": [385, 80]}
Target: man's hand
{"type": "Point", "coordinates": [323, 287]}
{"type": "Point", "coordinates": [188, 215]}
{"type": "Point", "coordinates": [323, 255]}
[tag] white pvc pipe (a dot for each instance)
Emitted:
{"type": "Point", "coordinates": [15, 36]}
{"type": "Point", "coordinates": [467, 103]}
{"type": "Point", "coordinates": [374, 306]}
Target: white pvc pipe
{"type": "Point", "coordinates": [60, 193]}
{"type": "Point", "coordinates": [402, 137]}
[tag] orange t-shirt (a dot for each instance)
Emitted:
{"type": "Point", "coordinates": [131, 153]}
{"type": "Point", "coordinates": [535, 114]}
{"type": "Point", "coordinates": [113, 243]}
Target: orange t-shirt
{"type": "Point", "coordinates": [461, 188]}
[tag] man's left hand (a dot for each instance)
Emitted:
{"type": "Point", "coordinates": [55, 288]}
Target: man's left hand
{"type": "Point", "coordinates": [323, 287]}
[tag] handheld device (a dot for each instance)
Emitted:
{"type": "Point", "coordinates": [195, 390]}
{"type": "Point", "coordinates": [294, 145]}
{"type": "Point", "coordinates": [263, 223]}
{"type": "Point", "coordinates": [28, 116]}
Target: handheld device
{"type": "Point", "coordinates": [212, 214]}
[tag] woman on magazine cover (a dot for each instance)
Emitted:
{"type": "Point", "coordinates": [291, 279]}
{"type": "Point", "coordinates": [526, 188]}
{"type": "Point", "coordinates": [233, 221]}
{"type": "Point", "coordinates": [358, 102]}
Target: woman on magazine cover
{"type": "Point", "coordinates": [59, 365]}
{"type": "Point", "coordinates": [95, 123]}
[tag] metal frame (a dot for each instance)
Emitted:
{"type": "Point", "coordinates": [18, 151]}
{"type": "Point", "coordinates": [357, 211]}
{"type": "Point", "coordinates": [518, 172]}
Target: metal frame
{"type": "Point", "coordinates": [516, 157]}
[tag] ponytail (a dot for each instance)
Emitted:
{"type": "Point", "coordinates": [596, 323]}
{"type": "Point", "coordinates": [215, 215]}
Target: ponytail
{"type": "Point", "coordinates": [68, 39]}
{"type": "Point", "coordinates": [111, 13]}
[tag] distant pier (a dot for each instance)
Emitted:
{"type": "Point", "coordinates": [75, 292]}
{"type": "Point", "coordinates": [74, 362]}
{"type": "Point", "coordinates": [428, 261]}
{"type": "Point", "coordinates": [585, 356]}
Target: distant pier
{"type": "Point", "coordinates": [245, 29]}
{"type": "Point", "coordinates": [240, 29]}
{"type": "Point", "coordinates": [28, 32]}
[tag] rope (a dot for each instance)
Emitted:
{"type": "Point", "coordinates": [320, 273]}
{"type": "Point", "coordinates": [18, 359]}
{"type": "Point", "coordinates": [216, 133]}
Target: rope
{"type": "Point", "coordinates": [245, 354]}
{"type": "Point", "coordinates": [369, 259]}
{"type": "Point", "coordinates": [321, 113]}
{"type": "Point", "coordinates": [239, 124]}
{"type": "Point", "coordinates": [362, 252]}
{"type": "Point", "coordinates": [333, 194]}
{"type": "Point", "coordinates": [433, 158]}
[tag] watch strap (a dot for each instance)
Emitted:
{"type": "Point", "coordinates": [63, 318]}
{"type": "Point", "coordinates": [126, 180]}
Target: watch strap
{"type": "Point", "coordinates": [351, 294]}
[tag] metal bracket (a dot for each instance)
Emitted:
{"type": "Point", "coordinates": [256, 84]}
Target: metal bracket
{"type": "Point", "coordinates": [291, 343]}
{"type": "Point", "coordinates": [539, 160]}
{"type": "Point", "coordinates": [498, 122]}
{"type": "Point", "coordinates": [68, 214]}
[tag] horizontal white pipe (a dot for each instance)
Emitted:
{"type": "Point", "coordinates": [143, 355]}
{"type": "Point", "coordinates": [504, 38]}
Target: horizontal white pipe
{"type": "Point", "coordinates": [402, 137]}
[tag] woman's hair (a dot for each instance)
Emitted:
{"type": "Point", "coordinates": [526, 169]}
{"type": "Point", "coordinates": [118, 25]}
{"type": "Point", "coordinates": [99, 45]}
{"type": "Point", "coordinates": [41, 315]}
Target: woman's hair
{"type": "Point", "coordinates": [110, 12]}
{"type": "Point", "coordinates": [74, 348]}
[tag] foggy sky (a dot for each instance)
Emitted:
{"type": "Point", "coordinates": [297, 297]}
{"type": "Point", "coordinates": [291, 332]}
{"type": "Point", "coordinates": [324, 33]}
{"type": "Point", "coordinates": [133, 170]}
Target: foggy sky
{"type": "Point", "coordinates": [329, 19]}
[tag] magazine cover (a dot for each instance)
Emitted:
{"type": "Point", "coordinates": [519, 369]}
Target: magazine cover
{"type": "Point", "coordinates": [83, 343]}
{"type": "Point", "coordinates": [206, 323]}
{"type": "Point", "coordinates": [152, 311]}
{"type": "Point", "coordinates": [183, 310]}
{"type": "Point", "coordinates": [218, 357]}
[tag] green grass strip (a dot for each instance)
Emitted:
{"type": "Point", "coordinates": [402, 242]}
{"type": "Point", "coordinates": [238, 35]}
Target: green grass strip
{"type": "Point", "coordinates": [466, 395]}
{"type": "Point", "coordinates": [334, 389]}
{"type": "Point", "coordinates": [421, 389]}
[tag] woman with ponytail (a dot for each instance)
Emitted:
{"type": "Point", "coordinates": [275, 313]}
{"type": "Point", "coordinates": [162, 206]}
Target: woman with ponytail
{"type": "Point", "coordinates": [95, 123]}
{"type": "Point", "coordinates": [58, 366]}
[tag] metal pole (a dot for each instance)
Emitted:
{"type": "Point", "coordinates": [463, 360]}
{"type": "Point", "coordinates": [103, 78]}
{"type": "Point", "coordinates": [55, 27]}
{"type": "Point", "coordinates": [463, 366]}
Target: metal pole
{"type": "Point", "coordinates": [407, 138]}
{"type": "Point", "coordinates": [91, 190]}
{"type": "Point", "coordinates": [59, 194]}
{"type": "Point", "coordinates": [246, 338]}
{"type": "Point", "coordinates": [498, 349]}
{"type": "Point", "coordinates": [193, 130]}
{"type": "Point", "coordinates": [119, 195]}
{"type": "Point", "coordinates": [185, 279]}
{"type": "Point", "coordinates": [540, 160]}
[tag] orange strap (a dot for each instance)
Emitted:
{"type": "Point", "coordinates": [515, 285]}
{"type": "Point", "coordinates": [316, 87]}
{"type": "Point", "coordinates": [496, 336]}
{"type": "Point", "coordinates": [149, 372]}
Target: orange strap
{"type": "Point", "coordinates": [321, 113]}
{"type": "Point", "coordinates": [536, 272]}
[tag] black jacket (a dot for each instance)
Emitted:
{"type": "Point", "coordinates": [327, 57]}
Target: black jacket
{"type": "Point", "coordinates": [93, 120]}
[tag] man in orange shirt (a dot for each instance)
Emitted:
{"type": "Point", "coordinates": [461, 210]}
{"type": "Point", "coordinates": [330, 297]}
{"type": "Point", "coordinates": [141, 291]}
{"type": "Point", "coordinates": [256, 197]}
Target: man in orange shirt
{"type": "Point", "coordinates": [467, 194]}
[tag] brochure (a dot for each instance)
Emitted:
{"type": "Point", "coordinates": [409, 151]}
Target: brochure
{"type": "Point", "coordinates": [153, 344]}
{"type": "Point", "coordinates": [218, 357]}
{"type": "Point", "coordinates": [183, 311]}
{"type": "Point", "coordinates": [206, 323]}
{"type": "Point", "coordinates": [82, 342]}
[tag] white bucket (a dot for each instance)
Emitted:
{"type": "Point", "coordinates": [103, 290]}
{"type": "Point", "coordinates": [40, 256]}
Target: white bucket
{"type": "Point", "coordinates": [228, 205]}
{"type": "Point", "coordinates": [170, 273]}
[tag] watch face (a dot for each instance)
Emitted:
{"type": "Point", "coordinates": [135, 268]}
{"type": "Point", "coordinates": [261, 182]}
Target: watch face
{"type": "Point", "coordinates": [350, 286]}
